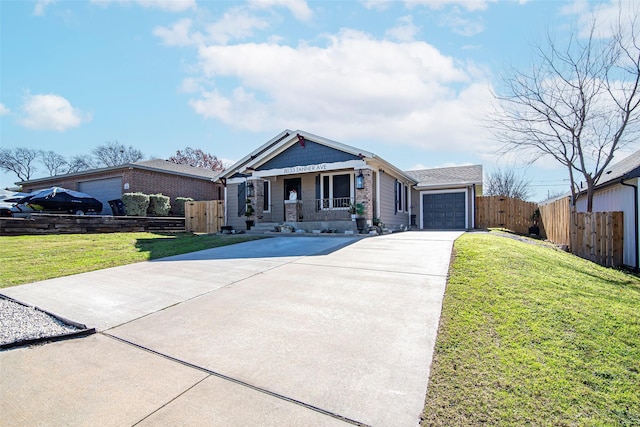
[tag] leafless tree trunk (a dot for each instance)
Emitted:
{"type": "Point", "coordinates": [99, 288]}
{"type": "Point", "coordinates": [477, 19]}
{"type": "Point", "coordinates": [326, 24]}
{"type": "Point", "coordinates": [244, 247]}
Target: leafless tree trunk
{"type": "Point", "coordinates": [579, 104]}
{"type": "Point", "coordinates": [114, 154]}
{"type": "Point", "coordinates": [54, 162]}
{"type": "Point", "coordinates": [19, 161]}
{"type": "Point", "coordinates": [505, 182]}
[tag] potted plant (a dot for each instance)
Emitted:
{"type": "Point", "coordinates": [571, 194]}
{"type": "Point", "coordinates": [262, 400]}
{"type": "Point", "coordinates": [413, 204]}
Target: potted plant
{"type": "Point", "coordinates": [352, 211]}
{"type": "Point", "coordinates": [360, 220]}
{"type": "Point", "coordinates": [535, 218]}
{"type": "Point", "coordinates": [248, 212]}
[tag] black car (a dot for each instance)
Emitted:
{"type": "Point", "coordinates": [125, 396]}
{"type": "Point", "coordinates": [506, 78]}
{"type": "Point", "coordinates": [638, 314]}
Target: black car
{"type": "Point", "coordinates": [58, 199]}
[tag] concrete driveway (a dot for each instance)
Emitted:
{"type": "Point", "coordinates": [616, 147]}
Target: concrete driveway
{"type": "Point", "coordinates": [283, 331]}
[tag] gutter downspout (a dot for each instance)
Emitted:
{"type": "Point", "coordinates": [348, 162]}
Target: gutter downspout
{"type": "Point", "coordinates": [635, 207]}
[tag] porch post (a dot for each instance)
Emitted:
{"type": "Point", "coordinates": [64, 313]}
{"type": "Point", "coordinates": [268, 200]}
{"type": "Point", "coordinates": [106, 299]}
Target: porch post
{"type": "Point", "coordinates": [365, 195]}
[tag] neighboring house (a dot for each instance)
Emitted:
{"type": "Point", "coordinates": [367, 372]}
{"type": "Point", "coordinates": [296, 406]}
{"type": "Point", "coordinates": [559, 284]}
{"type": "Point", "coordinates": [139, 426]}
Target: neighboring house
{"type": "Point", "coordinates": [148, 176]}
{"type": "Point", "coordinates": [617, 190]}
{"type": "Point", "coordinates": [311, 182]}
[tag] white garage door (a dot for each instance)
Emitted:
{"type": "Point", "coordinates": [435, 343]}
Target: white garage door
{"type": "Point", "coordinates": [103, 190]}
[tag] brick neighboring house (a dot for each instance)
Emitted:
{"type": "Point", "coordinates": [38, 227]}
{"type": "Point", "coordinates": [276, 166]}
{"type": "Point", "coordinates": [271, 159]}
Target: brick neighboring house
{"type": "Point", "coordinates": [148, 176]}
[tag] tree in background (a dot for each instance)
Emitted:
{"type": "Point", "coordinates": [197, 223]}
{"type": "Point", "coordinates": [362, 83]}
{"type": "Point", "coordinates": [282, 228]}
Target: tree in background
{"type": "Point", "coordinates": [197, 158]}
{"type": "Point", "coordinates": [579, 103]}
{"type": "Point", "coordinates": [79, 163]}
{"type": "Point", "coordinates": [53, 162]}
{"type": "Point", "coordinates": [505, 182]}
{"type": "Point", "coordinates": [20, 161]}
{"type": "Point", "coordinates": [114, 154]}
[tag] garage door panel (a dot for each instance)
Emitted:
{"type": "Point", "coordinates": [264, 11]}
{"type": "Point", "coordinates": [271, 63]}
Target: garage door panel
{"type": "Point", "coordinates": [444, 211]}
{"type": "Point", "coordinates": [103, 190]}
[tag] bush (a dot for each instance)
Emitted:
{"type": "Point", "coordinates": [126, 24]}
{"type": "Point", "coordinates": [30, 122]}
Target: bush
{"type": "Point", "coordinates": [135, 204]}
{"type": "Point", "coordinates": [159, 205]}
{"type": "Point", "coordinates": [178, 206]}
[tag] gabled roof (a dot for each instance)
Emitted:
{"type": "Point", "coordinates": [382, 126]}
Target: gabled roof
{"type": "Point", "coordinates": [627, 168]}
{"type": "Point", "coordinates": [156, 165]}
{"type": "Point", "coordinates": [438, 177]}
{"type": "Point", "coordinates": [288, 138]}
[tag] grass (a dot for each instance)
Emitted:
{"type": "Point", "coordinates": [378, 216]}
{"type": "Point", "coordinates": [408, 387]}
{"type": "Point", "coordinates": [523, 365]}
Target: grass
{"type": "Point", "coordinates": [25, 259]}
{"type": "Point", "coordinates": [533, 336]}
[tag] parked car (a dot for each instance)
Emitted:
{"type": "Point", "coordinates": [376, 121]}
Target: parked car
{"type": "Point", "coordinates": [57, 199]}
{"type": "Point", "coordinates": [9, 206]}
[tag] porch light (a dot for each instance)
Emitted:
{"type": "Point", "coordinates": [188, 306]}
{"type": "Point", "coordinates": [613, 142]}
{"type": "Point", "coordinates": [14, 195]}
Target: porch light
{"type": "Point", "coordinates": [250, 190]}
{"type": "Point", "coordinates": [360, 180]}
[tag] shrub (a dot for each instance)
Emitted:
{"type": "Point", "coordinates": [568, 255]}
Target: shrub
{"type": "Point", "coordinates": [135, 204]}
{"type": "Point", "coordinates": [178, 206]}
{"type": "Point", "coordinates": [159, 205]}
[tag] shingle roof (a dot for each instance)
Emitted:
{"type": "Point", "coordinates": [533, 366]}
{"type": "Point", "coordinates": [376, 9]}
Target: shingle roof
{"type": "Point", "coordinates": [628, 168]}
{"type": "Point", "coordinates": [447, 176]}
{"type": "Point", "coordinates": [167, 166]}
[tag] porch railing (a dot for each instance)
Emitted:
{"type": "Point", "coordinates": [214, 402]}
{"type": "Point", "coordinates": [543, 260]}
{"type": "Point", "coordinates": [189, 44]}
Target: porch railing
{"type": "Point", "coordinates": [333, 209]}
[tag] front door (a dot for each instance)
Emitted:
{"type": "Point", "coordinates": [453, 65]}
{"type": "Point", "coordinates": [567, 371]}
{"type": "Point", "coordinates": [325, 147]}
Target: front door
{"type": "Point", "coordinates": [292, 184]}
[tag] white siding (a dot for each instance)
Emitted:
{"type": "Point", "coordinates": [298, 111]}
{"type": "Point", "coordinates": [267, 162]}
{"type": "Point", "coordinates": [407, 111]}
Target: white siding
{"type": "Point", "coordinates": [617, 198]}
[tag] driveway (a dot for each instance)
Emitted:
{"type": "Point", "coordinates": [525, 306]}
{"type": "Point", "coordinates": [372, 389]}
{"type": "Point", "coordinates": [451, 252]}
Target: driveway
{"type": "Point", "coordinates": [282, 331]}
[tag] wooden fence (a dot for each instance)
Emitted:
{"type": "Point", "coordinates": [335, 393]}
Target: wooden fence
{"type": "Point", "coordinates": [598, 236]}
{"type": "Point", "coordinates": [504, 212]}
{"type": "Point", "coordinates": [555, 221]}
{"type": "Point", "coordinates": [204, 217]}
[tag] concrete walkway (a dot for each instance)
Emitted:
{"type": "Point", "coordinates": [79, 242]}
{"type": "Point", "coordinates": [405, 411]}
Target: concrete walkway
{"type": "Point", "coordinates": [283, 331]}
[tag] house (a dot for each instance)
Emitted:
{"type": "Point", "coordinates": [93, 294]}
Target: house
{"type": "Point", "coordinates": [148, 176]}
{"type": "Point", "coordinates": [617, 190]}
{"type": "Point", "coordinates": [314, 183]}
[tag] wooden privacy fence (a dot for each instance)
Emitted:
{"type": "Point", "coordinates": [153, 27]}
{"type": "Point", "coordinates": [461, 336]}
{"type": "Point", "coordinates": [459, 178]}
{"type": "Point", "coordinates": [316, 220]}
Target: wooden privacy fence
{"type": "Point", "coordinates": [598, 236]}
{"type": "Point", "coordinates": [204, 217]}
{"type": "Point", "coordinates": [556, 221]}
{"type": "Point", "coordinates": [504, 212]}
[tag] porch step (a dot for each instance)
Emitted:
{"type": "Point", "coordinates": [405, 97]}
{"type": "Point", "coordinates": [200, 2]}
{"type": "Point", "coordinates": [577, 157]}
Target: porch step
{"type": "Point", "coordinates": [263, 227]}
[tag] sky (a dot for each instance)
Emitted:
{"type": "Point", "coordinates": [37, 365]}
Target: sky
{"type": "Point", "coordinates": [410, 81]}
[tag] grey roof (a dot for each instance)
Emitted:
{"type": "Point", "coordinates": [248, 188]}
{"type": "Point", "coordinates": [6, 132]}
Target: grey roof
{"type": "Point", "coordinates": [626, 168]}
{"type": "Point", "coordinates": [167, 166]}
{"type": "Point", "coordinates": [456, 175]}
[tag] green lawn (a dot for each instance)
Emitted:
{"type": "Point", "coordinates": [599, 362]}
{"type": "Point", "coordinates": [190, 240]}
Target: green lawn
{"type": "Point", "coordinates": [533, 336]}
{"type": "Point", "coordinates": [25, 259]}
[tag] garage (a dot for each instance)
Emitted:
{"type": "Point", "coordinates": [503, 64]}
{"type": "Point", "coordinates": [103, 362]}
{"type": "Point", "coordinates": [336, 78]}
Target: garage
{"type": "Point", "coordinates": [103, 190]}
{"type": "Point", "coordinates": [444, 211]}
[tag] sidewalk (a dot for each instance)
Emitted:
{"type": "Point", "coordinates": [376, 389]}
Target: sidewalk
{"type": "Point", "coordinates": [284, 331]}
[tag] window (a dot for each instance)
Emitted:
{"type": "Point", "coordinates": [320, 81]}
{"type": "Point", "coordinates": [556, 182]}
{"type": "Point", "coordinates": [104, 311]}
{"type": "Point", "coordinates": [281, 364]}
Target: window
{"type": "Point", "coordinates": [402, 197]}
{"type": "Point", "coordinates": [337, 190]}
{"type": "Point", "coordinates": [266, 200]}
{"type": "Point", "coordinates": [406, 198]}
{"type": "Point", "coordinates": [399, 193]}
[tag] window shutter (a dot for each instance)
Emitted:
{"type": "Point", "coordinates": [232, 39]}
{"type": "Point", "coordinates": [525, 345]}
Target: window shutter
{"type": "Point", "coordinates": [395, 197]}
{"type": "Point", "coordinates": [242, 198]}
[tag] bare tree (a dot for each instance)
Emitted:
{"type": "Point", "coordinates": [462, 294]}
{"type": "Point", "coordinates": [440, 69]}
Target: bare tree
{"type": "Point", "coordinates": [54, 162]}
{"type": "Point", "coordinates": [505, 182]}
{"type": "Point", "coordinates": [197, 158]}
{"type": "Point", "coordinates": [20, 161]}
{"type": "Point", "coordinates": [579, 103]}
{"type": "Point", "coordinates": [114, 154]}
{"type": "Point", "coordinates": [79, 164]}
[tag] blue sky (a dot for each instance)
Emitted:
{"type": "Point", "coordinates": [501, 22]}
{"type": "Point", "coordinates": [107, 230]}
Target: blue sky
{"type": "Point", "coordinates": [408, 80]}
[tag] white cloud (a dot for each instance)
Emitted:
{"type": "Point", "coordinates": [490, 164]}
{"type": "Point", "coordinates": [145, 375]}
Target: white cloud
{"type": "Point", "coordinates": [166, 5]}
{"type": "Point", "coordinates": [470, 5]}
{"type": "Point", "coordinates": [405, 30]}
{"type": "Point", "coordinates": [355, 87]}
{"type": "Point", "coordinates": [235, 24]}
{"type": "Point", "coordinates": [38, 9]}
{"type": "Point", "coordinates": [299, 8]}
{"type": "Point", "coordinates": [4, 110]}
{"type": "Point", "coordinates": [51, 112]}
{"type": "Point", "coordinates": [459, 25]}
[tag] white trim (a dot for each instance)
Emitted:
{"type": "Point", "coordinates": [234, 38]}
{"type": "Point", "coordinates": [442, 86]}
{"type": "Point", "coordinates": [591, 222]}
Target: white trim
{"type": "Point", "coordinates": [452, 190]}
{"type": "Point", "coordinates": [269, 198]}
{"type": "Point", "coordinates": [321, 167]}
{"type": "Point", "coordinates": [226, 207]}
{"type": "Point", "coordinates": [331, 175]}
